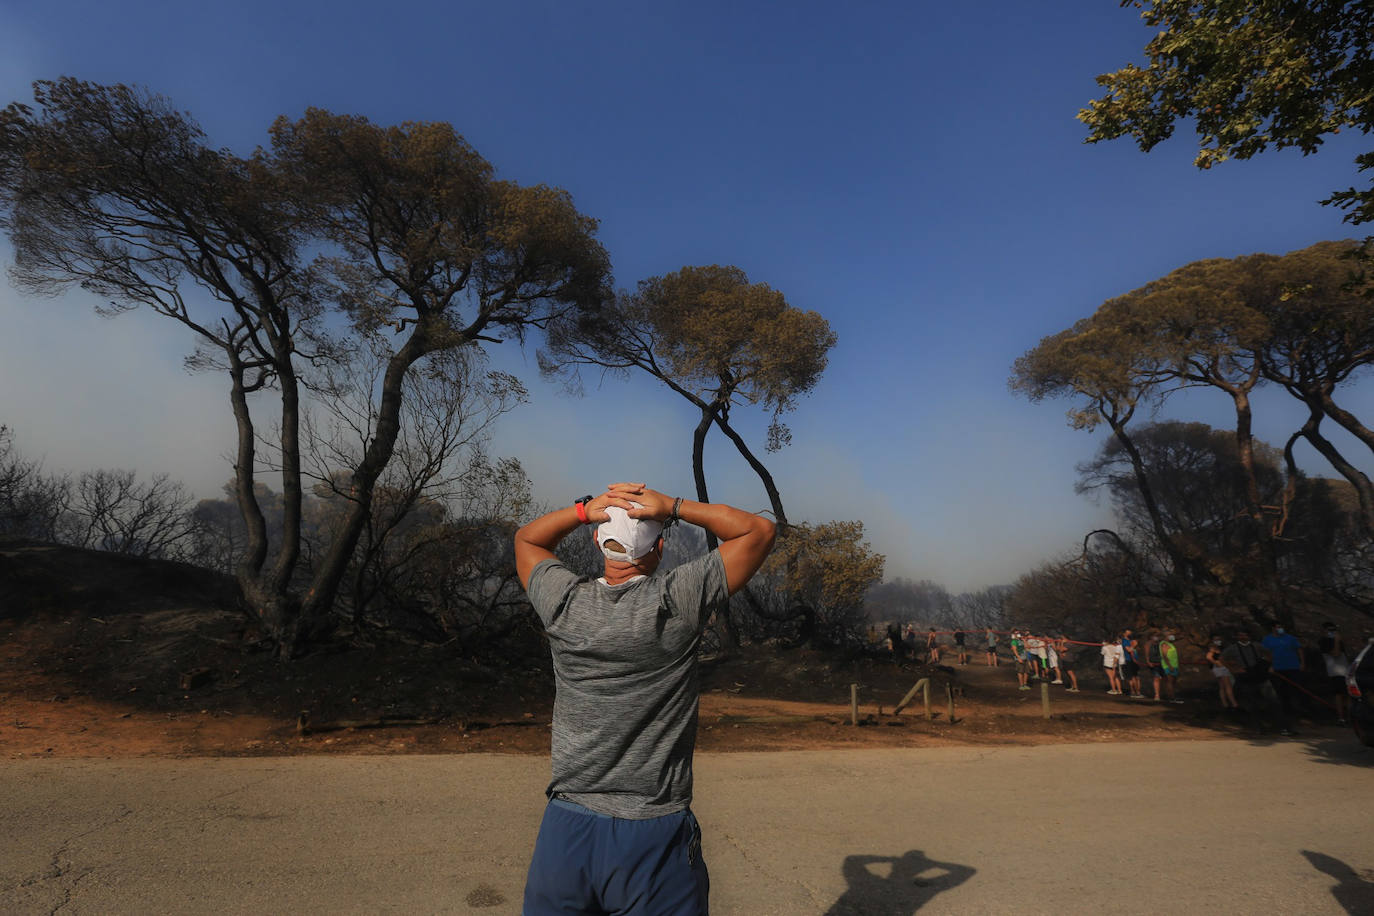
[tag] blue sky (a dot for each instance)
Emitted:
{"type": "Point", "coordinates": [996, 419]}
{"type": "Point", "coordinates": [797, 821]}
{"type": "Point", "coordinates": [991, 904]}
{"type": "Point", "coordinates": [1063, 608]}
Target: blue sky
{"type": "Point", "coordinates": [913, 171]}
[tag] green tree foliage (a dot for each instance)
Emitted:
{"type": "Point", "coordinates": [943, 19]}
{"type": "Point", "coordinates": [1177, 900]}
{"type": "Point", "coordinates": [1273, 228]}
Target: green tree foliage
{"type": "Point", "coordinates": [1109, 369]}
{"type": "Point", "coordinates": [429, 240]}
{"type": "Point", "coordinates": [1300, 320]}
{"type": "Point", "coordinates": [1198, 320]}
{"type": "Point", "coordinates": [112, 189]}
{"type": "Point", "coordinates": [713, 337]}
{"type": "Point", "coordinates": [815, 581]}
{"type": "Point", "coordinates": [1252, 74]}
{"type": "Point", "coordinates": [1321, 335]}
{"type": "Point", "coordinates": [717, 340]}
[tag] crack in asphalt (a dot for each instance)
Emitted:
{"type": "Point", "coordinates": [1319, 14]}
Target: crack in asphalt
{"type": "Point", "coordinates": [749, 860]}
{"type": "Point", "coordinates": [61, 867]}
{"type": "Point", "coordinates": [218, 812]}
{"type": "Point", "coordinates": [69, 891]}
{"type": "Point", "coordinates": [237, 789]}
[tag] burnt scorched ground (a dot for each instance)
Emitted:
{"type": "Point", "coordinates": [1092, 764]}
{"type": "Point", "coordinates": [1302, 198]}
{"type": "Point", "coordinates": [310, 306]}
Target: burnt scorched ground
{"type": "Point", "coordinates": [105, 656]}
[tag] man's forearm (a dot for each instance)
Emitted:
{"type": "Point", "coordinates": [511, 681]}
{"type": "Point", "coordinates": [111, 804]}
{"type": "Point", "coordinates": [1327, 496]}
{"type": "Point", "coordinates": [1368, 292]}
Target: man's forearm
{"type": "Point", "coordinates": [549, 529]}
{"type": "Point", "coordinates": [745, 538]}
{"type": "Point", "coordinates": [537, 541]}
{"type": "Point", "coordinates": [726, 522]}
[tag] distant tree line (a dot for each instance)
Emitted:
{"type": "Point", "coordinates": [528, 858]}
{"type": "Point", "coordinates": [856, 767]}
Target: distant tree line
{"type": "Point", "coordinates": [434, 566]}
{"type": "Point", "coordinates": [926, 602]}
{"type": "Point", "coordinates": [103, 510]}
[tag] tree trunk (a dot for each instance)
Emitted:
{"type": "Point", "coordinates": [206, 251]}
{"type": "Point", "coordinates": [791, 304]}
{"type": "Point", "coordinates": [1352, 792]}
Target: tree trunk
{"type": "Point", "coordinates": [255, 552]}
{"type": "Point", "coordinates": [1245, 451]}
{"type": "Point", "coordinates": [1262, 548]}
{"type": "Point", "coordinates": [319, 600]}
{"type": "Point", "coordinates": [774, 498]}
{"type": "Point", "coordinates": [1182, 565]}
{"type": "Point", "coordinates": [1347, 420]}
{"type": "Point", "coordinates": [729, 634]}
{"type": "Point", "coordinates": [268, 601]}
{"type": "Point", "coordinates": [1363, 488]}
{"type": "Point", "coordinates": [699, 466]}
{"type": "Point", "coordinates": [289, 551]}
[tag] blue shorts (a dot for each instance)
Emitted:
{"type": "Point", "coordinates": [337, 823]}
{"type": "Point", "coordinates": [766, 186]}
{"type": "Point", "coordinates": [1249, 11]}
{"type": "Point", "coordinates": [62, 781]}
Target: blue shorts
{"type": "Point", "coordinates": [586, 862]}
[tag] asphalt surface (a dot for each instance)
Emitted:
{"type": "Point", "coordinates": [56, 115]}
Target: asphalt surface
{"type": "Point", "coordinates": [1210, 827]}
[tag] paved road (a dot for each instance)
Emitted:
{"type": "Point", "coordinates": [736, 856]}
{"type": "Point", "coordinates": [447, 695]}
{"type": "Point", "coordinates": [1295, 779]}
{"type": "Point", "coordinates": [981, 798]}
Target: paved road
{"type": "Point", "coordinates": [1211, 827]}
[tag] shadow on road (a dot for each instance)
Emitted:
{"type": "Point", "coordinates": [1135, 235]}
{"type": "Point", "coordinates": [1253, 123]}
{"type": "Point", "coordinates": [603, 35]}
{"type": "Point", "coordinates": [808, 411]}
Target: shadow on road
{"type": "Point", "coordinates": [1354, 892]}
{"type": "Point", "coordinates": [911, 880]}
{"type": "Point", "coordinates": [1324, 740]}
{"type": "Point", "coordinates": [1346, 750]}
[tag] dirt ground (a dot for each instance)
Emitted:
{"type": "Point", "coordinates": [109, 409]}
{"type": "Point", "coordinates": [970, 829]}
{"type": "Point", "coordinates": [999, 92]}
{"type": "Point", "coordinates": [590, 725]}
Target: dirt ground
{"type": "Point", "coordinates": [109, 657]}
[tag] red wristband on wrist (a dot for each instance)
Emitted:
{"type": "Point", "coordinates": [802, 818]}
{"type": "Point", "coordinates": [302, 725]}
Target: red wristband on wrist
{"type": "Point", "coordinates": [581, 508]}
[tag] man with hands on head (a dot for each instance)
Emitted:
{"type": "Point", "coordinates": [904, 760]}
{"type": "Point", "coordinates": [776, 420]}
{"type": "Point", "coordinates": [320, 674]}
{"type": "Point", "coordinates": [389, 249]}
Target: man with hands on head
{"type": "Point", "coordinates": [618, 834]}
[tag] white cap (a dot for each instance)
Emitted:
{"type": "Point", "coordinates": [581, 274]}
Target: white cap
{"type": "Point", "coordinates": [636, 535]}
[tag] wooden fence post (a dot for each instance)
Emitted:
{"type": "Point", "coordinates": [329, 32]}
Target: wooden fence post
{"type": "Point", "coordinates": [1045, 698]}
{"type": "Point", "coordinates": [923, 687]}
{"type": "Point", "coordinates": [853, 704]}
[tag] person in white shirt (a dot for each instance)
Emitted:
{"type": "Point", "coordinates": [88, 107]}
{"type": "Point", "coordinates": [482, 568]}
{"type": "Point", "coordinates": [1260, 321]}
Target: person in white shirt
{"type": "Point", "coordinates": [1035, 648]}
{"type": "Point", "coordinates": [1111, 663]}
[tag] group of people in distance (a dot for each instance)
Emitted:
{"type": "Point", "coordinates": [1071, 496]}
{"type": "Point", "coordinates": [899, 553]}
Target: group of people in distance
{"type": "Point", "coordinates": [903, 642]}
{"type": "Point", "coordinates": [1269, 678]}
{"type": "Point", "coordinates": [1126, 656]}
{"type": "Point", "coordinates": [1039, 657]}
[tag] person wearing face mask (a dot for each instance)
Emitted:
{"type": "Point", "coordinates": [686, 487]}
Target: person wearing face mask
{"type": "Point", "coordinates": [1225, 679]}
{"type": "Point", "coordinates": [1168, 662]}
{"type": "Point", "coordinates": [1068, 659]}
{"type": "Point", "coordinates": [1332, 646]}
{"type": "Point", "coordinates": [1130, 663]}
{"type": "Point", "coordinates": [1254, 691]}
{"type": "Point", "coordinates": [1150, 655]}
{"type": "Point", "coordinates": [1289, 666]}
{"type": "Point", "coordinates": [1022, 657]}
{"type": "Point", "coordinates": [1111, 664]}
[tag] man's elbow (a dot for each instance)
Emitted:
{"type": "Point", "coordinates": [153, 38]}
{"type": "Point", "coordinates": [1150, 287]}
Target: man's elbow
{"type": "Point", "coordinates": [768, 532]}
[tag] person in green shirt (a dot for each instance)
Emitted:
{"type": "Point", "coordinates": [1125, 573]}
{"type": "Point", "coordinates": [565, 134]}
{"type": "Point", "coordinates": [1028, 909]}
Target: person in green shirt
{"type": "Point", "coordinates": [1018, 651]}
{"type": "Point", "coordinates": [1168, 659]}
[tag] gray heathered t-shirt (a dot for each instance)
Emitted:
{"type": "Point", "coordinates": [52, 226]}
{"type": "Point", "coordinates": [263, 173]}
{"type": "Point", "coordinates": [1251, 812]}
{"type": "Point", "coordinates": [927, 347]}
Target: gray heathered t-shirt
{"type": "Point", "coordinates": [625, 668]}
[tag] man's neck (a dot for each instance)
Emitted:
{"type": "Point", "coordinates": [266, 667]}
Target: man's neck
{"type": "Point", "coordinates": [622, 575]}
{"type": "Point", "coordinates": [604, 581]}
{"type": "Point", "coordinates": [618, 573]}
